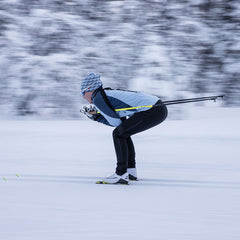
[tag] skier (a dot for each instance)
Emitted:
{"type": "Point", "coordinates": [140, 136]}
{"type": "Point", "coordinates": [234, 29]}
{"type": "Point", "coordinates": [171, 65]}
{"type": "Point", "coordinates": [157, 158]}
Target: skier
{"type": "Point", "coordinates": [104, 102]}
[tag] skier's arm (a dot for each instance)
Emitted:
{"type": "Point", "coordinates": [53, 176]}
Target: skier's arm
{"type": "Point", "coordinates": [107, 115]}
{"type": "Point", "coordinates": [101, 119]}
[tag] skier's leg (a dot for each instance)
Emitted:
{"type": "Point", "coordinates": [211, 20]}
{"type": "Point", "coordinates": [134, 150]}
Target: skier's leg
{"type": "Point", "coordinates": [125, 153]}
{"type": "Point", "coordinates": [142, 121]}
{"type": "Point", "coordinates": [137, 123]}
{"type": "Point", "coordinates": [131, 153]}
{"type": "Point", "coordinates": [121, 149]}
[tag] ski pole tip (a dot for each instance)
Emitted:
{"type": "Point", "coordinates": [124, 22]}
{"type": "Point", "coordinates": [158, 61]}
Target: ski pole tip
{"type": "Point", "coordinates": [214, 98]}
{"type": "Point", "coordinates": [222, 96]}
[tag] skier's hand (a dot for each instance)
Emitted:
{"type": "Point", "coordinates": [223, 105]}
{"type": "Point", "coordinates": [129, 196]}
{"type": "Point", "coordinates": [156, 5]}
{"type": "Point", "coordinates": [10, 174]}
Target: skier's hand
{"type": "Point", "coordinates": [89, 111]}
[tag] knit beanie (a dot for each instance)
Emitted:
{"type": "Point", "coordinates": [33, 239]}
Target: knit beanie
{"type": "Point", "coordinates": [91, 83]}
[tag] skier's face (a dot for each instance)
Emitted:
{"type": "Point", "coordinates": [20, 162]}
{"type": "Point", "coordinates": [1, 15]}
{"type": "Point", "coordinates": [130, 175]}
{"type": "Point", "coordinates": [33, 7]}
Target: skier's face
{"type": "Point", "coordinates": [87, 96]}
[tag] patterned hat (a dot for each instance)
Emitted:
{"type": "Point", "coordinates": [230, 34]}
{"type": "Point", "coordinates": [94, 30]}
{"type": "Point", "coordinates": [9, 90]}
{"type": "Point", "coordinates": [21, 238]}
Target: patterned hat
{"type": "Point", "coordinates": [91, 83]}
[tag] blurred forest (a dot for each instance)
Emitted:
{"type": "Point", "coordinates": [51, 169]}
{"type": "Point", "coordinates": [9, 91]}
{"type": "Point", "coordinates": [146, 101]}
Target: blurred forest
{"type": "Point", "coordinates": [171, 48]}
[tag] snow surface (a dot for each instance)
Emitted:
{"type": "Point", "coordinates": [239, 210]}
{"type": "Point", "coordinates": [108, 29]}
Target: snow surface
{"type": "Point", "coordinates": [189, 185]}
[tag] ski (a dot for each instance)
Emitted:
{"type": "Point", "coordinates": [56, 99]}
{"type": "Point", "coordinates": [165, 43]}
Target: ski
{"type": "Point", "coordinates": [118, 183]}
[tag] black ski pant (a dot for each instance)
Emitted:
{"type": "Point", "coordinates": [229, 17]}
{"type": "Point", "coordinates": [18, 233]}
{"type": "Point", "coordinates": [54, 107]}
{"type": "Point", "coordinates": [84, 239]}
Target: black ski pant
{"type": "Point", "coordinates": [139, 122]}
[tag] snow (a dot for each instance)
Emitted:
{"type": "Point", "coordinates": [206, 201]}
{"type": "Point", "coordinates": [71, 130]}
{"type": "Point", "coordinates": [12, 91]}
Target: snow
{"type": "Point", "coordinates": [188, 188]}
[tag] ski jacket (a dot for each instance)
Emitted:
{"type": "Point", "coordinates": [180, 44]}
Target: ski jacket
{"type": "Point", "coordinates": [107, 100]}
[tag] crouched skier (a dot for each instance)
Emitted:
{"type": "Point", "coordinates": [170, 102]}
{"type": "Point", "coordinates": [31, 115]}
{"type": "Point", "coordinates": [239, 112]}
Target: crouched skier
{"type": "Point", "coordinates": [126, 122]}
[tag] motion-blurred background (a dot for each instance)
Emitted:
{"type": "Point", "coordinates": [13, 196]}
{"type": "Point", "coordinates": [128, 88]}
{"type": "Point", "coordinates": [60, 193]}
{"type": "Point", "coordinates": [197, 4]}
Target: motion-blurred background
{"type": "Point", "coordinates": [171, 48]}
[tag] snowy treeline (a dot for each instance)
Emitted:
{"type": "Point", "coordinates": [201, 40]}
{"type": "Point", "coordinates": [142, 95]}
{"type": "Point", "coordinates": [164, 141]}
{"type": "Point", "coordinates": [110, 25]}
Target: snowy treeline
{"type": "Point", "coordinates": [174, 48]}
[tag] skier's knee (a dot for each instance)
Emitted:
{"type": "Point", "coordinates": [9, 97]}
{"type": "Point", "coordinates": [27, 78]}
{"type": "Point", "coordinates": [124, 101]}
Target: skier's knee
{"type": "Point", "coordinates": [118, 132]}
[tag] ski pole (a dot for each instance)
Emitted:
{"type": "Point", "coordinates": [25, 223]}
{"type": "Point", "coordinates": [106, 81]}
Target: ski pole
{"type": "Point", "coordinates": [171, 102]}
{"type": "Point", "coordinates": [188, 100]}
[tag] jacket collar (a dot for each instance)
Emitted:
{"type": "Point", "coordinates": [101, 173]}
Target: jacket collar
{"type": "Point", "coordinates": [95, 92]}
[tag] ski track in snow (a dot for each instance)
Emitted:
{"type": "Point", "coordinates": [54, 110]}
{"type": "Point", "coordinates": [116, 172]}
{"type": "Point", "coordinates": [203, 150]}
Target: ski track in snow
{"type": "Point", "coordinates": [188, 188]}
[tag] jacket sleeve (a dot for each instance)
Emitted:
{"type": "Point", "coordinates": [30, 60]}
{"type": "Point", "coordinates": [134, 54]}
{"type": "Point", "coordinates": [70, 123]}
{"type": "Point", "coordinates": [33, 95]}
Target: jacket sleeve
{"type": "Point", "coordinates": [101, 119]}
{"type": "Point", "coordinates": [107, 115]}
